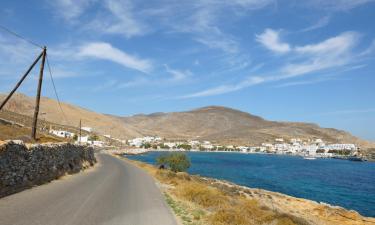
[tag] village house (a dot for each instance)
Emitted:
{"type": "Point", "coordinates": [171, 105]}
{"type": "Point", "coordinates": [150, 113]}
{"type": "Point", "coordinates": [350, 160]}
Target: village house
{"type": "Point", "coordinates": [62, 133]}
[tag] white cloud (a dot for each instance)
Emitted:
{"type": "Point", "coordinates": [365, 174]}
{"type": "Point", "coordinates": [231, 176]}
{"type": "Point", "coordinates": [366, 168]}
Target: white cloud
{"type": "Point", "coordinates": [250, 81]}
{"type": "Point", "coordinates": [177, 75]}
{"type": "Point", "coordinates": [204, 20]}
{"type": "Point", "coordinates": [369, 50]}
{"type": "Point", "coordinates": [322, 22]}
{"type": "Point", "coordinates": [328, 54]}
{"type": "Point", "coordinates": [333, 46]}
{"type": "Point", "coordinates": [271, 40]}
{"type": "Point", "coordinates": [120, 19]}
{"type": "Point", "coordinates": [106, 51]}
{"type": "Point", "coordinates": [333, 52]}
{"type": "Point", "coordinates": [70, 10]}
{"type": "Point", "coordinates": [133, 83]}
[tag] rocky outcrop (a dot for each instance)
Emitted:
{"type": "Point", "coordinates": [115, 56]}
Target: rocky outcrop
{"type": "Point", "coordinates": [24, 166]}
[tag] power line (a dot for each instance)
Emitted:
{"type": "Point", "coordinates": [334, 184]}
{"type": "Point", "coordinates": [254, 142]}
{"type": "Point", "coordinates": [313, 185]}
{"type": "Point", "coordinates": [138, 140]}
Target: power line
{"type": "Point", "coordinates": [54, 88]}
{"type": "Point", "coordinates": [20, 36]}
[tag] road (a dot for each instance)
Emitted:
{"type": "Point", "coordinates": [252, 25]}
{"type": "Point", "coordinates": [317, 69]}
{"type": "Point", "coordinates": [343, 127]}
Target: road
{"type": "Point", "coordinates": [114, 192]}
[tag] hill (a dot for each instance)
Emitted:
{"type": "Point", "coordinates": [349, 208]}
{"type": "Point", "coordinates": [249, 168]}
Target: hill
{"type": "Point", "coordinates": [226, 125]}
{"type": "Point", "coordinates": [214, 123]}
{"type": "Point", "coordinates": [50, 111]}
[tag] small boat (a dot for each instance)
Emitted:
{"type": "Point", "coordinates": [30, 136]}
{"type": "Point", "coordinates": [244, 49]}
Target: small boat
{"type": "Point", "coordinates": [309, 158]}
{"type": "Point", "coordinates": [355, 158]}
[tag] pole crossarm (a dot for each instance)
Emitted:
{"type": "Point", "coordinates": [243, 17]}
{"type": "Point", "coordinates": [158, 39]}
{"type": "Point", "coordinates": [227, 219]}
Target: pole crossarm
{"type": "Point", "coordinates": [21, 80]}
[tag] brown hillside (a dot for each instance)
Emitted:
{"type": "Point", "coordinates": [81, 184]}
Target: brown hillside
{"type": "Point", "coordinates": [225, 125]}
{"type": "Point", "coordinates": [214, 123]}
{"type": "Point", "coordinates": [50, 111]}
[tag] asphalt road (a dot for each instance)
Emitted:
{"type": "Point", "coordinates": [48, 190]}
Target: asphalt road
{"type": "Point", "coordinates": [114, 192]}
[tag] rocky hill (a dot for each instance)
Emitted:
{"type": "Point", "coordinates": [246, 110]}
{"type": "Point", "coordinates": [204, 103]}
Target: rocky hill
{"type": "Point", "coordinates": [226, 125]}
{"type": "Point", "coordinates": [214, 123]}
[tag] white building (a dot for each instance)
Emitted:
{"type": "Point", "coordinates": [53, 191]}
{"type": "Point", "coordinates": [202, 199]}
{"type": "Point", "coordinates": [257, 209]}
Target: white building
{"type": "Point", "coordinates": [83, 139]}
{"type": "Point", "coordinates": [97, 143]}
{"type": "Point", "coordinates": [62, 133]}
{"type": "Point", "coordinates": [350, 147]}
{"type": "Point", "coordinates": [170, 144]}
{"type": "Point", "coordinates": [88, 129]}
{"type": "Point", "coordinates": [243, 148]}
{"type": "Point", "coordinates": [194, 143]}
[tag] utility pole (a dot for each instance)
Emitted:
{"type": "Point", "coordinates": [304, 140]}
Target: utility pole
{"type": "Point", "coordinates": [80, 131]}
{"type": "Point", "coordinates": [37, 100]}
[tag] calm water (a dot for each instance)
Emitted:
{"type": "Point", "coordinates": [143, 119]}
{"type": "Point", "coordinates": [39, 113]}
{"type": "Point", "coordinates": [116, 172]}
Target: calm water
{"type": "Point", "coordinates": [337, 182]}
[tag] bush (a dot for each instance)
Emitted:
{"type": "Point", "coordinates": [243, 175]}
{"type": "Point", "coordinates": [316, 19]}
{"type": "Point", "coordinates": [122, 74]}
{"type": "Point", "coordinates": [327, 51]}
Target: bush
{"type": "Point", "coordinates": [93, 137]}
{"type": "Point", "coordinates": [146, 145]}
{"type": "Point", "coordinates": [177, 162]}
{"type": "Point", "coordinates": [162, 146]}
{"type": "Point", "coordinates": [185, 147]}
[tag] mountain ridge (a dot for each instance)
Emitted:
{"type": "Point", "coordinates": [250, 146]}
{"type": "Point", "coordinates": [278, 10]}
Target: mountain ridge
{"type": "Point", "coordinates": [214, 123]}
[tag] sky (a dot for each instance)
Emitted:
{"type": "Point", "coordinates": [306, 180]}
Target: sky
{"type": "Point", "coordinates": [308, 61]}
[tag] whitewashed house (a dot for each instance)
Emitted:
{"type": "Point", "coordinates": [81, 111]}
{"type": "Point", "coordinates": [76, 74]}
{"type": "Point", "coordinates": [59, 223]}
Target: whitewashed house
{"type": "Point", "coordinates": [62, 133]}
{"type": "Point", "coordinates": [88, 129]}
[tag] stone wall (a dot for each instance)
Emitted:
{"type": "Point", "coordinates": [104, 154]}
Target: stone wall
{"type": "Point", "coordinates": [24, 166]}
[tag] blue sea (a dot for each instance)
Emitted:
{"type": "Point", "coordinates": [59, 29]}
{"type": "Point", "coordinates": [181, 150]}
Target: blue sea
{"type": "Point", "coordinates": [338, 182]}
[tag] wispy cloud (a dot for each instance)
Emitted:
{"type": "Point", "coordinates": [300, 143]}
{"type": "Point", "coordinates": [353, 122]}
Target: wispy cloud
{"type": "Point", "coordinates": [322, 22]}
{"type": "Point", "coordinates": [330, 53]}
{"type": "Point", "coordinates": [178, 75]}
{"type": "Point", "coordinates": [103, 50]}
{"type": "Point", "coordinates": [250, 81]}
{"type": "Point", "coordinates": [333, 52]}
{"type": "Point", "coordinates": [271, 40]}
{"type": "Point", "coordinates": [120, 19]}
{"type": "Point", "coordinates": [70, 10]}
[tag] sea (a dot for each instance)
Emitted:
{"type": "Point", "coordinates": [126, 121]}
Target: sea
{"type": "Point", "coordinates": [338, 182]}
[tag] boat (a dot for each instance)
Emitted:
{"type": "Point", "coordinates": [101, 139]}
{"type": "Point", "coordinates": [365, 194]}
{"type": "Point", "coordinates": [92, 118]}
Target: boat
{"type": "Point", "coordinates": [309, 157]}
{"type": "Point", "coordinates": [355, 158]}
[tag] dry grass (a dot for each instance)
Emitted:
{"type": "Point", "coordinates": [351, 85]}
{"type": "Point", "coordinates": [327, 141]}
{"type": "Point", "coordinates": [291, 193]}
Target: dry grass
{"type": "Point", "coordinates": [8, 132]}
{"type": "Point", "coordinates": [203, 195]}
{"type": "Point", "coordinates": [196, 202]}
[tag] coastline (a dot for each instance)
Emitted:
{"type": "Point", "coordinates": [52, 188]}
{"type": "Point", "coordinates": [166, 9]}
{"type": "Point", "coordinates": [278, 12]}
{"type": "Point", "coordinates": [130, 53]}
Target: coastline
{"type": "Point", "coordinates": [139, 151]}
{"type": "Point", "coordinates": [302, 210]}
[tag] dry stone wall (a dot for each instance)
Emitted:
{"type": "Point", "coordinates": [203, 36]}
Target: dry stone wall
{"type": "Point", "coordinates": [24, 166]}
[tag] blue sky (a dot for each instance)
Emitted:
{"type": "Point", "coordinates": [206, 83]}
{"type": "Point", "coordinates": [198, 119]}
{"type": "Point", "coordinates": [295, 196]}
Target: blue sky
{"type": "Point", "coordinates": [310, 61]}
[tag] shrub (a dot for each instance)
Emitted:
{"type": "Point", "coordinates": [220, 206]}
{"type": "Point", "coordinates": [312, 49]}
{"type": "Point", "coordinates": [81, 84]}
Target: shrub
{"type": "Point", "coordinates": [185, 147]}
{"type": "Point", "coordinates": [93, 137]}
{"type": "Point", "coordinates": [146, 145]}
{"type": "Point", "coordinates": [177, 162]}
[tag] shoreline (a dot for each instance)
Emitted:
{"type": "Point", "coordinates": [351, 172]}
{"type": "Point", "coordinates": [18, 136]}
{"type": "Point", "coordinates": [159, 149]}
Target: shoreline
{"type": "Point", "coordinates": [140, 151]}
{"type": "Point", "coordinates": [307, 210]}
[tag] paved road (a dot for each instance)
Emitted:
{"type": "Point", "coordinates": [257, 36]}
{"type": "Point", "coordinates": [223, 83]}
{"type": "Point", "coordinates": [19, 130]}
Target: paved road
{"type": "Point", "coordinates": [114, 192]}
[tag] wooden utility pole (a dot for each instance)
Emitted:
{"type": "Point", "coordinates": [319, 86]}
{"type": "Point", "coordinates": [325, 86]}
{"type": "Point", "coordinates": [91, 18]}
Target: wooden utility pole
{"type": "Point", "coordinates": [80, 131]}
{"type": "Point", "coordinates": [20, 81]}
{"type": "Point", "coordinates": [37, 100]}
